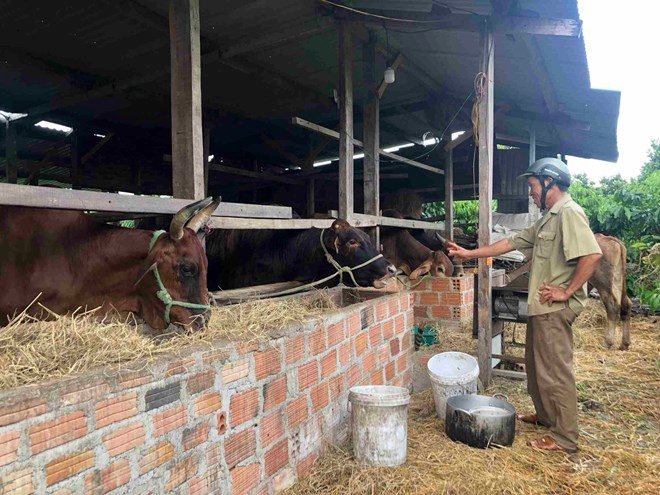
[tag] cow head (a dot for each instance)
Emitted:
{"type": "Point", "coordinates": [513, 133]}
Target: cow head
{"type": "Point", "coordinates": [437, 265]}
{"type": "Point", "coordinates": [175, 271]}
{"type": "Point", "coordinates": [351, 247]}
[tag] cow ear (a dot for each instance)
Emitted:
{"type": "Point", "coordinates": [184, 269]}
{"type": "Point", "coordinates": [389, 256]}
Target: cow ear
{"type": "Point", "coordinates": [422, 269]}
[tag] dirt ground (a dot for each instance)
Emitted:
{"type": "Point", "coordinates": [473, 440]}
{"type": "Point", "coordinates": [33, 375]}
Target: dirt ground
{"type": "Point", "coordinates": [619, 407]}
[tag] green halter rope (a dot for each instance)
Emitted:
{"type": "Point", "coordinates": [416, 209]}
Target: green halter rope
{"type": "Point", "coordinates": [162, 294]}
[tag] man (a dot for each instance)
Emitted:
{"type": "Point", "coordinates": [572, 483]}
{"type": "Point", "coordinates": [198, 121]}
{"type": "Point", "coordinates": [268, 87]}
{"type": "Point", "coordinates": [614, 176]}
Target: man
{"type": "Point", "coordinates": [564, 255]}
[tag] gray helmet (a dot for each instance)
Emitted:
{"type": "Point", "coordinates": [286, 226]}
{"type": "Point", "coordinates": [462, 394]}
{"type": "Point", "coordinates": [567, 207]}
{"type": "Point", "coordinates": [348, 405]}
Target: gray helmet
{"type": "Point", "coordinates": [549, 167]}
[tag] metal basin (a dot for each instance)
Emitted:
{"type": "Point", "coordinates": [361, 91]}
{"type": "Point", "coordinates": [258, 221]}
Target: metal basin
{"type": "Point", "coordinates": [480, 421]}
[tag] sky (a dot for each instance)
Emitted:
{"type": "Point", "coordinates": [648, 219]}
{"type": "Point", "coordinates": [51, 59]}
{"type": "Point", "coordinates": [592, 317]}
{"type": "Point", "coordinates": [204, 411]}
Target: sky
{"type": "Point", "coordinates": [621, 38]}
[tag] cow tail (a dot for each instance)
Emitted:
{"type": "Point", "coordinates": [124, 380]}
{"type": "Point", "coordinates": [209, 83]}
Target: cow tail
{"type": "Point", "coordinates": [418, 337]}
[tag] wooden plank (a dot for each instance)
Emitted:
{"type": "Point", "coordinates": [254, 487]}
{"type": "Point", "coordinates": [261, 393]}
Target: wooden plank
{"type": "Point", "coordinates": [486, 150]}
{"type": "Point", "coordinates": [541, 74]}
{"type": "Point", "coordinates": [76, 166]}
{"type": "Point", "coordinates": [48, 197]}
{"type": "Point", "coordinates": [459, 139]}
{"type": "Point", "coordinates": [511, 359]}
{"type": "Point", "coordinates": [187, 141]}
{"type": "Point", "coordinates": [449, 194]}
{"type": "Point", "coordinates": [94, 149]}
{"type": "Point", "coordinates": [371, 134]}
{"type": "Point", "coordinates": [398, 60]}
{"type": "Point", "coordinates": [280, 224]}
{"type": "Point", "coordinates": [515, 375]}
{"type": "Point", "coordinates": [276, 146]}
{"type": "Point", "coordinates": [363, 220]}
{"type": "Point", "coordinates": [273, 40]}
{"type": "Point", "coordinates": [11, 153]}
{"type": "Point", "coordinates": [346, 133]}
{"type": "Point", "coordinates": [329, 132]}
{"type": "Point", "coordinates": [538, 26]}
{"type": "Point", "coordinates": [254, 175]}
{"type": "Point", "coordinates": [254, 292]}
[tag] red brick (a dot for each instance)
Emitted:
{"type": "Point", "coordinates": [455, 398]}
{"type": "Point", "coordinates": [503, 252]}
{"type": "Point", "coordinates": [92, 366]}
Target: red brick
{"type": "Point", "coordinates": [395, 347]}
{"type": "Point", "coordinates": [441, 284]}
{"type": "Point", "coordinates": [169, 420]}
{"type": "Point", "coordinates": [103, 481]}
{"type": "Point", "coordinates": [216, 356]}
{"type": "Point", "coordinates": [428, 298]}
{"type": "Point", "coordinates": [131, 379]}
{"type": "Point", "coordinates": [451, 298]}
{"type": "Point", "coordinates": [59, 431]}
{"type": "Point", "coordinates": [244, 479]}
{"type": "Point", "coordinates": [214, 455]}
{"type": "Point", "coordinates": [353, 375]}
{"type": "Point", "coordinates": [328, 364]}
{"type": "Point", "coordinates": [336, 387]}
{"type": "Point", "coordinates": [208, 484]}
{"type": "Point", "coordinates": [344, 354]}
{"type": "Point", "coordinates": [156, 456]}
{"type": "Point", "coordinates": [247, 347]}
{"type": "Point", "coordinates": [295, 349]}
{"type": "Point", "coordinates": [421, 312]}
{"type": "Point", "coordinates": [306, 464]}
{"type": "Point", "coordinates": [393, 305]}
{"type": "Point", "coordinates": [179, 367]}
{"type": "Point", "coordinates": [440, 311]}
{"type": "Point", "coordinates": [182, 472]}
{"type": "Point", "coordinates": [83, 393]}
{"type": "Point", "coordinates": [375, 335]}
{"type": "Point", "coordinates": [207, 404]}
{"type": "Point", "coordinates": [232, 372]}
{"type": "Point", "coordinates": [369, 362]}
{"type": "Point", "coordinates": [277, 457]}
{"type": "Point", "coordinates": [335, 334]}
{"type": "Point", "coordinates": [317, 342]}
{"type": "Point", "coordinates": [383, 354]}
{"type": "Point", "coordinates": [21, 411]}
{"type": "Point", "coordinates": [222, 423]}
{"type": "Point", "coordinates": [124, 439]}
{"type": "Point", "coordinates": [404, 302]}
{"type": "Point", "coordinates": [272, 428]}
{"type": "Point", "coordinates": [267, 363]}
{"type": "Point", "coordinates": [400, 324]}
{"type": "Point", "coordinates": [377, 377]}
{"type": "Point", "coordinates": [193, 437]}
{"type": "Point", "coordinates": [200, 382]}
{"type": "Point", "coordinates": [319, 396]}
{"type": "Point", "coordinates": [354, 324]}
{"type": "Point", "coordinates": [402, 363]}
{"type": "Point", "coordinates": [308, 375]}
{"type": "Point", "coordinates": [274, 393]}
{"type": "Point", "coordinates": [390, 371]}
{"type": "Point", "coordinates": [244, 406]}
{"type": "Point", "coordinates": [9, 447]}
{"type": "Point", "coordinates": [361, 342]}
{"type": "Point", "coordinates": [296, 412]}
{"type": "Point", "coordinates": [66, 466]}
{"type": "Point", "coordinates": [116, 409]}
{"type": "Point", "coordinates": [388, 330]}
{"type": "Point", "coordinates": [240, 446]}
{"type": "Point", "coordinates": [381, 311]}
{"type": "Point", "coordinates": [17, 482]}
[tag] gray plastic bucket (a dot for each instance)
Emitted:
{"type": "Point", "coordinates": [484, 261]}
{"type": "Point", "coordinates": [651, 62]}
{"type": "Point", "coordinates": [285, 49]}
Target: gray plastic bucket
{"type": "Point", "coordinates": [452, 373]}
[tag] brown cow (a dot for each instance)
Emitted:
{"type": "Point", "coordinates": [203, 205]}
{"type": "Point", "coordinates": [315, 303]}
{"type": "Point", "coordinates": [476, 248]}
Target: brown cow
{"type": "Point", "coordinates": [411, 256]}
{"type": "Point", "coordinates": [75, 262]}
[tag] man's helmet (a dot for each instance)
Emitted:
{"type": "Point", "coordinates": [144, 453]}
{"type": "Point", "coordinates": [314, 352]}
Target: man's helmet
{"type": "Point", "coordinates": [549, 167]}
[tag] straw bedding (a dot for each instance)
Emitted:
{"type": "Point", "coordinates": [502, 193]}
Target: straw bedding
{"type": "Point", "coordinates": [32, 351]}
{"type": "Point", "coordinates": [619, 399]}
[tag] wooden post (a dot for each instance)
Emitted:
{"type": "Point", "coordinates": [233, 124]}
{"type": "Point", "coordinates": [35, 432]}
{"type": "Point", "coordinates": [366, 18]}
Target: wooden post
{"type": "Point", "coordinates": [345, 122]}
{"type": "Point", "coordinates": [11, 153]}
{"type": "Point", "coordinates": [532, 209]}
{"type": "Point", "coordinates": [311, 199]}
{"type": "Point", "coordinates": [371, 138]}
{"type": "Point", "coordinates": [186, 95]}
{"type": "Point", "coordinates": [486, 149]}
{"type": "Point", "coordinates": [449, 194]}
{"type": "Point", "coordinates": [76, 165]}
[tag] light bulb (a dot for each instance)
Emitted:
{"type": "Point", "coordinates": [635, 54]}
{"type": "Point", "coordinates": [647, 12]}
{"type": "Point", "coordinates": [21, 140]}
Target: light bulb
{"type": "Point", "coordinates": [389, 75]}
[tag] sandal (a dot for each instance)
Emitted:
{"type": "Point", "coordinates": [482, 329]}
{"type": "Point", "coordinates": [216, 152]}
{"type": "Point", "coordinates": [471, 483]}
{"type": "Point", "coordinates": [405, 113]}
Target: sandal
{"type": "Point", "coordinates": [548, 443]}
{"type": "Point", "coordinates": [531, 418]}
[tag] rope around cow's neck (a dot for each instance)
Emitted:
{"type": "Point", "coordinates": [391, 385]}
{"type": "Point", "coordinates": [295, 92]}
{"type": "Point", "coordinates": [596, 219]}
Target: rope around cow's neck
{"type": "Point", "coordinates": [162, 293]}
{"type": "Point", "coordinates": [340, 270]}
{"type": "Point", "coordinates": [407, 285]}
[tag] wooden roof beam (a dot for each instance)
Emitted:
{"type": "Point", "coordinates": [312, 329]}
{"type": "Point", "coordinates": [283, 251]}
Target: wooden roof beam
{"type": "Point", "coordinates": [541, 74]}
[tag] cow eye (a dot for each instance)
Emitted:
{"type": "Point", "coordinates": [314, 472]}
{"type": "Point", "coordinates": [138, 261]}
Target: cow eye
{"type": "Point", "coordinates": [353, 242]}
{"type": "Point", "coordinates": [187, 270]}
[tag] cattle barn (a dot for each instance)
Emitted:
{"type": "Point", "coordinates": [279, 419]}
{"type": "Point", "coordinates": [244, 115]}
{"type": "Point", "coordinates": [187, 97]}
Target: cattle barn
{"type": "Point", "coordinates": [295, 112]}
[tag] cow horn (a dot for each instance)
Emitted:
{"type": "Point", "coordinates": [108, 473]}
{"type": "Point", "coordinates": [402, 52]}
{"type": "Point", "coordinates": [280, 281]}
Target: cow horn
{"type": "Point", "coordinates": [184, 214]}
{"type": "Point", "coordinates": [203, 215]}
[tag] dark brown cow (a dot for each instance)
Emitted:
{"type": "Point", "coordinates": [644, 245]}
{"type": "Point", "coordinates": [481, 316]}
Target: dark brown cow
{"type": "Point", "coordinates": [75, 262]}
{"type": "Point", "coordinates": [244, 258]}
{"type": "Point", "coordinates": [411, 256]}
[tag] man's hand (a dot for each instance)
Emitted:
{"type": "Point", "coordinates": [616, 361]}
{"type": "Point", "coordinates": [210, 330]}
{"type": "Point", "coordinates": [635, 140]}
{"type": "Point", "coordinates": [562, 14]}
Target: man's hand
{"type": "Point", "coordinates": [456, 251]}
{"type": "Point", "coordinates": [550, 294]}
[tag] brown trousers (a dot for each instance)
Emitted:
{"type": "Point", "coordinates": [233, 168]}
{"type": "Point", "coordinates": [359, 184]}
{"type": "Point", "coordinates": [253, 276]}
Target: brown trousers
{"type": "Point", "coordinates": [550, 378]}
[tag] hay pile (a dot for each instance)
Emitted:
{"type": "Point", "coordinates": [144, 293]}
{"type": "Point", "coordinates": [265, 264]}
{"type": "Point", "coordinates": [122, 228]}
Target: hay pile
{"type": "Point", "coordinates": [32, 351]}
{"type": "Point", "coordinates": [619, 399]}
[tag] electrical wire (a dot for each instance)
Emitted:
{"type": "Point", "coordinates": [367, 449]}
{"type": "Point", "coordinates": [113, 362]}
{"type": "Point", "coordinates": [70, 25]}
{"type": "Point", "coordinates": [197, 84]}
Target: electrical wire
{"type": "Point", "coordinates": [378, 16]}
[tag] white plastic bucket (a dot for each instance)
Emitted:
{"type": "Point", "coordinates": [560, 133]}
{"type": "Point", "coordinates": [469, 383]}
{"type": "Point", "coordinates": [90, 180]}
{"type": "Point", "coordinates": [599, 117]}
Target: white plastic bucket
{"type": "Point", "coordinates": [452, 373]}
{"type": "Point", "coordinates": [379, 421]}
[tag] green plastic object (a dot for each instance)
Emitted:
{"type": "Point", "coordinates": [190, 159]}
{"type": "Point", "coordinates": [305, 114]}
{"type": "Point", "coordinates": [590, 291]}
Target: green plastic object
{"type": "Point", "coordinates": [429, 335]}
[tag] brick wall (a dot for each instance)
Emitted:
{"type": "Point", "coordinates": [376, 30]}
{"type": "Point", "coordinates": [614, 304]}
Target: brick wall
{"type": "Point", "coordinates": [236, 419]}
{"type": "Point", "coordinates": [444, 301]}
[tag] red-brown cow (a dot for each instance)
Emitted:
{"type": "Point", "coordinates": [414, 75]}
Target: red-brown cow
{"type": "Point", "coordinates": [70, 261]}
{"type": "Point", "coordinates": [409, 255]}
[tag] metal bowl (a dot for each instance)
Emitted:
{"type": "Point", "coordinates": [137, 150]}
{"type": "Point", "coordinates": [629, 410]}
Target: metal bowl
{"type": "Point", "coordinates": [480, 421]}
